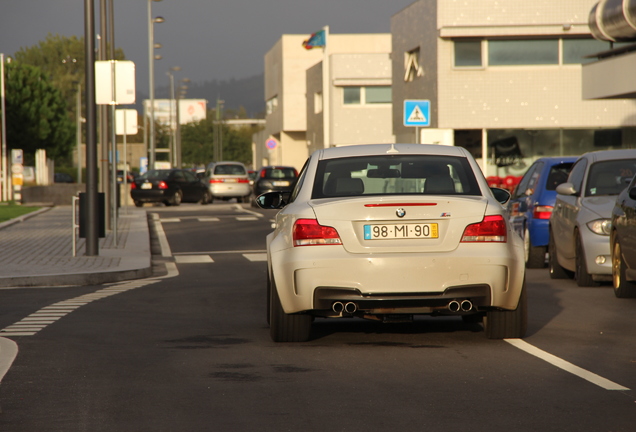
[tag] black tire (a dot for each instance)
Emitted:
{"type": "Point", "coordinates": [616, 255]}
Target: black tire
{"type": "Point", "coordinates": [206, 198]}
{"type": "Point", "coordinates": [176, 198]}
{"type": "Point", "coordinates": [556, 271]}
{"type": "Point", "coordinates": [139, 204]}
{"type": "Point", "coordinates": [622, 287]}
{"type": "Point", "coordinates": [583, 278]}
{"type": "Point", "coordinates": [286, 327]}
{"type": "Point", "coordinates": [535, 255]}
{"type": "Point", "coordinates": [503, 324]}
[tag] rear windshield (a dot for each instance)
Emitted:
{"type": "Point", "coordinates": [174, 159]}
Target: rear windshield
{"type": "Point", "coordinates": [156, 174]}
{"type": "Point", "coordinates": [610, 177]}
{"type": "Point", "coordinates": [395, 175]}
{"type": "Point", "coordinates": [279, 173]}
{"type": "Point", "coordinates": [558, 174]}
{"type": "Point", "coordinates": [229, 170]}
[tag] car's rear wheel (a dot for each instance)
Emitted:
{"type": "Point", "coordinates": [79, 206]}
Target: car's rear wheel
{"type": "Point", "coordinates": [622, 287]}
{"type": "Point", "coordinates": [206, 198]}
{"type": "Point", "coordinates": [535, 255]}
{"type": "Point", "coordinates": [556, 271]}
{"type": "Point", "coordinates": [502, 324]}
{"type": "Point", "coordinates": [583, 278]}
{"type": "Point", "coordinates": [176, 199]}
{"type": "Point", "coordinates": [286, 327]}
{"type": "Point", "coordinates": [139, 204]}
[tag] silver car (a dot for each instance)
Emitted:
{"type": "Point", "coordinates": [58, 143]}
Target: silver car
{"type": "Point", "coordinates": [389, 231]}
{"type": "Point", "coordinates": [580, 224]}
{"type": "Point", "coordinates": [227, 180]}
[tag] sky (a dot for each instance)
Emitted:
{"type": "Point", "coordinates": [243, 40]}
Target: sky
{"type": "Point", "coordinates": [209, 39]}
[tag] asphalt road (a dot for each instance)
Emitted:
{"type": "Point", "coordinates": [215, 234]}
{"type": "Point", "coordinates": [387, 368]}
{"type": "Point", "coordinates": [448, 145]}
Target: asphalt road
{"type": "Point", "coordinates": [191, 352]}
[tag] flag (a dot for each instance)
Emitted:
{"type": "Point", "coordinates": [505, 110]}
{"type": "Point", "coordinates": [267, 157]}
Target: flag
{"type": "Point", "coordinates": [316, 40]}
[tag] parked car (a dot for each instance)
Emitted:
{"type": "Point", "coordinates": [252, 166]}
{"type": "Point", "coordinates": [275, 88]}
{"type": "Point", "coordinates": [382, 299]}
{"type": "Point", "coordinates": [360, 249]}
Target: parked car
{"type": "Point", "coordinates": [227, 180]}
{"type": "Point", "coordinates": [389, 231]}
{"type": "Point", "coordinates": [580, 225]}
{"type": "Point", "coordinates": [169, 186]}
{"type": "Point", "coordinates": [623, 242]}
{"type": "Point", "coordinates": [274, 179]}
{"type": "Point", "coordinates": [532, 203]}
{"type": "Point", "coordinates": [130, 177]}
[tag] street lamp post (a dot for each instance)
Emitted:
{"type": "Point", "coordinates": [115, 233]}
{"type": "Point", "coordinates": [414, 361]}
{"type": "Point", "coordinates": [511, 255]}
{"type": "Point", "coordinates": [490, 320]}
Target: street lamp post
{"type": "Point", "coordinates": [180, 95]}
{"type": "Point", "coordinates": [173, 128]}
{"type": "Point", "coordinates": [151, 82]}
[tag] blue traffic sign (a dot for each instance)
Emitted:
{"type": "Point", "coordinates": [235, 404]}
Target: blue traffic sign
{"type": "Point", "coordinates": [417, 113]}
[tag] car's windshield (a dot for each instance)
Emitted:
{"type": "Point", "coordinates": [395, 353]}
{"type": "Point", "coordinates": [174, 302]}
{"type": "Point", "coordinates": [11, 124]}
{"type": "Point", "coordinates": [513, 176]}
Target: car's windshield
{"type": "Point", "coordinates": [156, 175]}
{"type": "Point", "coordinates": [229, 170]}
{"type": "Point", "coordinates": [279, 173]}
{"type": "Point", "coordinates": [610, 177]}
{"type": "Point", "coordinates": [393, 175]}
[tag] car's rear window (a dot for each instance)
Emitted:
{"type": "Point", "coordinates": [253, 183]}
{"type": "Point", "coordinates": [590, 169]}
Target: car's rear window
{"type": "Point", "coordinates": [229, 170]}
{"type": "Point", "coordinates": [395, 175]}
{"type": "Point", "coordinates": [558, 174]}
{"type": "Point", "coordinates": [279, 173]}
{"type": "Point", "coordinates": [610, 177]}
{"type": "Point", "coordinates": [156, 175]}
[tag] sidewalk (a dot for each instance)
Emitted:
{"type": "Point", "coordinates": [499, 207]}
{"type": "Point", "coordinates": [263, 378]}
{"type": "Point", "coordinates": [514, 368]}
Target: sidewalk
{"type": "Point", "coordinates": [37, 250]}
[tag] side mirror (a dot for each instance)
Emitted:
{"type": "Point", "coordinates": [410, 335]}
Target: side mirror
{"type": "Point", "coordinates": [566, 189]}
{"type": "Point", "coordinates": [501, 195]}
{"type": "Point", "coordinates": [271, 201]}
{"type": "Point", "coordinates": [632, 193]}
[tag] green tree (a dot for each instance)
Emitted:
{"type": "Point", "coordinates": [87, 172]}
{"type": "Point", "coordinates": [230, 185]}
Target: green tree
{"type": "Point", "coordinates": [36, 113]}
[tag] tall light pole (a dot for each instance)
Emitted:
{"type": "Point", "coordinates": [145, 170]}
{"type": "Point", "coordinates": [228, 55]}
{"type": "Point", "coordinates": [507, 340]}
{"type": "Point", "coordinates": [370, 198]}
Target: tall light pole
{"type": "Point", "coordinates": [151, 82]}
{"type": "Point", "coordinates": [5, 176]}
{"type": "Point", "coordinates": [180, 95]}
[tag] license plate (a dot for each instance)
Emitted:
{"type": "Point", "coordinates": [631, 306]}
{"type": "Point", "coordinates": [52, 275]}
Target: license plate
{"type": "Point", "coordinates": [400, 231]}
{"type": "Point", "coordinates": [146, 185]}
{"type": "Point", "coordinates": [230, 180]}
{"type": "Point", "coordinates": [280, 183]}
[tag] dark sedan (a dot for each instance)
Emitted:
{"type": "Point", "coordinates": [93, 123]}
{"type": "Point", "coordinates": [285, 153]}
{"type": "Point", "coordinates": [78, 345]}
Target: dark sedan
{"type": "Point", "coordinates": [274, 179]}
{"type": "Point", "coordinates": [623, 242]}
{"type": "Point", "coordinates": [169, 186]}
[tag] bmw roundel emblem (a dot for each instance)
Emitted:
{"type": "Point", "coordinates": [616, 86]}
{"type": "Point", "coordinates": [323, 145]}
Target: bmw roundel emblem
{"type": "Point", "coordinates": [400, 212]}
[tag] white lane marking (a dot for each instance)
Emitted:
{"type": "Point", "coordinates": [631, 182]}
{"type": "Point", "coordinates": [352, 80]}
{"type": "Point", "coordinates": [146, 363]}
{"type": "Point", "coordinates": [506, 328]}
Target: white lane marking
{"type": "Point", "coordinates": [164, 220]}
{"type": "Point", "coordinates": [220, 252]}
{"type": "Point", "coordinates": [246, 218]}
{"type": "Point", "coordinates": [8, 353]}
{"type": "Point", "coordinates": [565, 365]}
{"type": "Point", "coordinates": [163, 240]}
{"type": "Point", "coordinates": [209, 219]}
{"type": "Point", "coordinates": [192, 259]}
{"type": "Point", "coordinates": [256, 257]}
{"type": "Point", "coordinates": [244, 210]}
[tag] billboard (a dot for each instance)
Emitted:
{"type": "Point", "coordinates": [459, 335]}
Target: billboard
{"type": "Point", "coordinates": [190, 110]}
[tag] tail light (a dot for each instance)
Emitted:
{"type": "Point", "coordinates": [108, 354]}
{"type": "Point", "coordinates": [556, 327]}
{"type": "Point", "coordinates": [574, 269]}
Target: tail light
{"type": "Point", "coordinates": [491, 229]}
{"type": "Point", "coordinates": [133, 185]}
{"type": "Point", "coordinates": [162, 185]}
{"type": "Point", "coordinates": [217, 180]}
{"type": "Point", "coordinates": [243, 180]}
{"type": "Point", "coordinates": [308, 232]}
{"type": "Point", "coordinates": [542, 212]}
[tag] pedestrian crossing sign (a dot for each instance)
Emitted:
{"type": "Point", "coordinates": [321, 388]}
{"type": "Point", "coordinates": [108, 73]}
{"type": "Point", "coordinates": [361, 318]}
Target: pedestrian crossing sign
{"type": "Point", "coordinates": [417, 113]}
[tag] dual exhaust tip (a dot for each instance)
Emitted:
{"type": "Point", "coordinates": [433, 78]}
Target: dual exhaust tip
{"type": "Point", "coordinates": [340, 307]}
{"type": "Point", "coordinates": [460, 306]}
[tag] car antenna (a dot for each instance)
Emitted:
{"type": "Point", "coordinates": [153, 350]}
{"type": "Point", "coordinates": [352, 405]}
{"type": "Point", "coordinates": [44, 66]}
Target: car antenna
{"type": "Point", "coordinates": [392, 149]}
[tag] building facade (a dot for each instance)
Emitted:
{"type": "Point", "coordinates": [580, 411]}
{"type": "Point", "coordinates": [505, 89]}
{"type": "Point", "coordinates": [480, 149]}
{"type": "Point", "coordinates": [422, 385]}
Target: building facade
{"type": "Point", "coordinates": [504, 77]}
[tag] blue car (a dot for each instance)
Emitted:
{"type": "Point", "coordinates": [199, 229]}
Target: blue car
{"type": "Point", "coordinates": [532, 202]}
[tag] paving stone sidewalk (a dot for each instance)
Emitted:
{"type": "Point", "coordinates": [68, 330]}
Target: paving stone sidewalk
{"type": "Point", "coordinates": [38, 250]}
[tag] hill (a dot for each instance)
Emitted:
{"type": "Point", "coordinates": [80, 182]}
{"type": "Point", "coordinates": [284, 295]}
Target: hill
{"type": "Point", "coordinates": [236, 93]}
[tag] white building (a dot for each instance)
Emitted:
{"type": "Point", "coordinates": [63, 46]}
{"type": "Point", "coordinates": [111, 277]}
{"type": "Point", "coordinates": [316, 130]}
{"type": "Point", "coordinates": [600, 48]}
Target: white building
{"type": "Point", "coordinates": [504, 76]}
{"type": "Point", "coordinates": [357, 104]}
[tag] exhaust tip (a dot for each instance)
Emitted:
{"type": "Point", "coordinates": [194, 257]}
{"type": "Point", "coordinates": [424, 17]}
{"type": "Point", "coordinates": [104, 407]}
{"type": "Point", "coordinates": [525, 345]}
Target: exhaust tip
{"type": "Point", "coordinates": [467, 306]}
{"type": "Point", "coordinates": [454, 306]}
{"type": "Point", "coordinates": [337, 307]}
{"type": "Point", "coordinates": [351, 307]}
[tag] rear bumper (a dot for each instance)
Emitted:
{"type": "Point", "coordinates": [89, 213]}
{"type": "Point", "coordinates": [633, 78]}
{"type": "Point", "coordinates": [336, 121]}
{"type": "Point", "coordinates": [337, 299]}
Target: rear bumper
{"type": "Point", "coordinates": [308, 278]}
{"type": "Point", "coordinates": [150, 195]}
{"type": "Point", "coordinates": [231, 190]}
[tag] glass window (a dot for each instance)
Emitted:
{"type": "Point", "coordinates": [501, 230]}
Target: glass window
{"type": "Point", "coordinates": [610, 177]}
{"type": "Point", "coordinates": [558, 174]}
{"type": "Point", "coordinates": [523, 52]}
{"type": "Point", "coordinates": [351, 95]}
{"type": "Point", "coordinates": [529, 177]}
{"type": "Point", "coordinates": [575, 49]}
{"type": "Point", "coordinates": [467, 53]}
{"type": "Point", "coordinates": [577, 173]}
{"type": "Point", "coordinates": [395, 175]}
{"type": "Point", "coordinates": [377, 94]}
